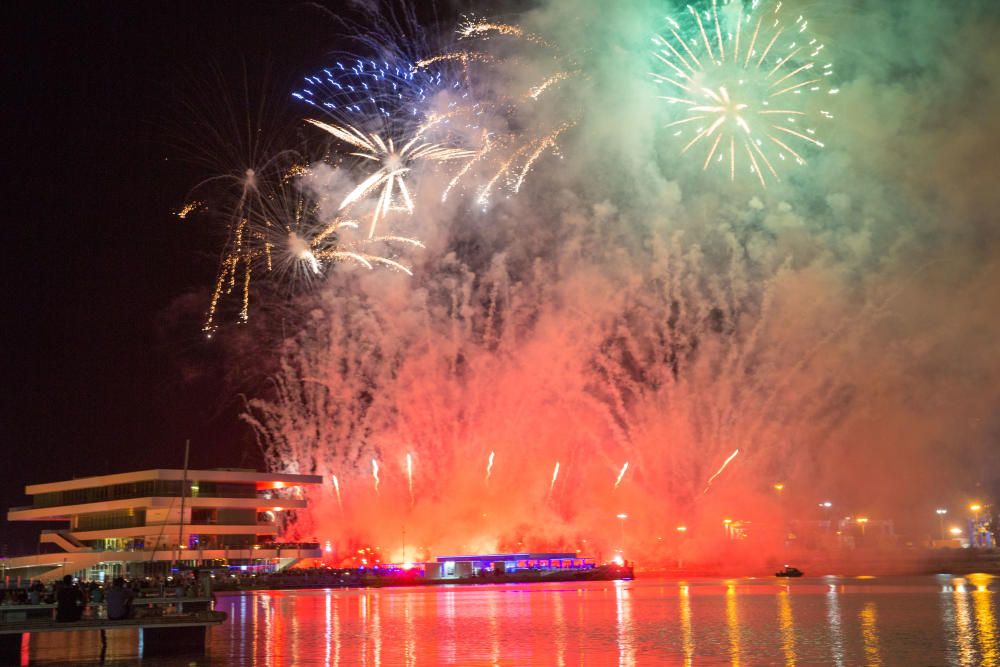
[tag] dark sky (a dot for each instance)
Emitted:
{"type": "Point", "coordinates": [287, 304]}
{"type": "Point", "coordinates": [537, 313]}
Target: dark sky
{"type": "Point", "coordinates": [95, 261]}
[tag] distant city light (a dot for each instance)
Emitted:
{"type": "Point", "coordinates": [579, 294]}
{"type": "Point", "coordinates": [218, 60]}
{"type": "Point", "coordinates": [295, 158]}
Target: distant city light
{"type": "Point", "coordinates": [779, 486]}
{"type": "Point", "coordinates": [955, 531]}
{"type": "Point", "coordinates": [682, 529]}
{"type": "Point", "coordinates": [622, 516]}
{"type": "Point", "coordinates": [941, 510]}
{"type": "Point", "coordinates": [826, 503]}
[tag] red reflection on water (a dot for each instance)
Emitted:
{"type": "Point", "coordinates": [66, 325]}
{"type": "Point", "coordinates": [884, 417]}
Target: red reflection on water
{"type": "Point", "coordinates": [836, 621]}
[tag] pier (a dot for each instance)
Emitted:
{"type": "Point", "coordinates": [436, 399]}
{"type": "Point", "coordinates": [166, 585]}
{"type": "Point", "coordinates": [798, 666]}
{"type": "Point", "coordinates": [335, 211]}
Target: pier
{"type": "Point", "coordinates": [168, 626]}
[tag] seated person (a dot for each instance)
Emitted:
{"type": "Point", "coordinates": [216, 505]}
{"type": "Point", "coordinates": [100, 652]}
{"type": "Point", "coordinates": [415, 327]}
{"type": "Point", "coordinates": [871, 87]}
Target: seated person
{"type": "Point", "coordinates": [69, 601]}
{"type": "Point", "coordinates": [119, 600]}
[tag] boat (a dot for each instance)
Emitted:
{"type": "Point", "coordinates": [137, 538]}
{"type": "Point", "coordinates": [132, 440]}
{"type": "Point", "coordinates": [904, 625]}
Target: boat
{"type": "Point", "coordinates": [789, 571]}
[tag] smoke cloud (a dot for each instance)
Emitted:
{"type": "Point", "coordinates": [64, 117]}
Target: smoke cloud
{"type": "Point", "coordinates": [838, 328]}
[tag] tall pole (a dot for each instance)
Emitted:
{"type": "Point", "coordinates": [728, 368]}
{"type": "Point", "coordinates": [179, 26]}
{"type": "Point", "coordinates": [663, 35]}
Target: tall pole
{"type": "Point", "coordinates": [180, 529]}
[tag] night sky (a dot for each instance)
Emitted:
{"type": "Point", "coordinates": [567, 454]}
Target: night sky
{"type": "Point", "coordinates": [104, 284]}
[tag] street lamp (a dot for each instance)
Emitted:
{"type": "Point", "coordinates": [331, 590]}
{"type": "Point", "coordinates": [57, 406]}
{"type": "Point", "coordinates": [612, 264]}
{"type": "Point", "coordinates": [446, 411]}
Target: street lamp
{"type": "Point", "coordinates": [941, 512]}
{"type": "Point", "coordinates": [779, 487]}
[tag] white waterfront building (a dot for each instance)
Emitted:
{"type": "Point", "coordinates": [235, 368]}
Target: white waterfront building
{"type": "Point", "coordinates": [146, 522]}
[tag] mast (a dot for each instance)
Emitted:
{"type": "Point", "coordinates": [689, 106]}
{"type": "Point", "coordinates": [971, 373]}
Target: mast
{"type": "Point", "coordinates": [180, 530]}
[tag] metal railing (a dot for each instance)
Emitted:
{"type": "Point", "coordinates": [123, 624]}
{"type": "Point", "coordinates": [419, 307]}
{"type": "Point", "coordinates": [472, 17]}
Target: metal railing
{"type": "Point", "coordinates": [142, 607]}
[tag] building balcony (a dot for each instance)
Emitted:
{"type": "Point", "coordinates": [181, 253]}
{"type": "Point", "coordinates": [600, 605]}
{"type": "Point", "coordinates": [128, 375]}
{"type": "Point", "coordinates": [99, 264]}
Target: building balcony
{"type": "Point", "coordinates": [170, 530]}
{"type": "Point", "coordinates": [65, 512]}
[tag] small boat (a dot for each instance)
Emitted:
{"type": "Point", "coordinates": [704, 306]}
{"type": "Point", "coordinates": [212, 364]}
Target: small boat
{"type": "Point", "coordinates": [789, 571]}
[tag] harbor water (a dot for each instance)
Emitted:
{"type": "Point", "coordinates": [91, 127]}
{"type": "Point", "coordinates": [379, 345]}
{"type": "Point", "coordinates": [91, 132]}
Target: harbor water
{"type": "Point", "coordinates": [932, 620]}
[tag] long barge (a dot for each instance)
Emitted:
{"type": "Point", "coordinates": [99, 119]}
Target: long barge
{"type": "Point", "coordinates": [445, 570]}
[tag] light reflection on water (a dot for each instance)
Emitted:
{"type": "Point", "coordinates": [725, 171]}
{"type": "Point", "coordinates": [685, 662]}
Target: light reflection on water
{"type": "Point", "coordinates": [733, 624]}
{"type": "Point", "coordinates": [869, 632]}
{"type": "Point", "coordinates": [811, 621]}
{"type": "Point", "coordinates": [833, 622]}
{"type": "Point", "coordinates": [982, 602]}
{"type": "Point", "coordinates": [687, 634]}
{"type": "Point", "coordinates": [787, 623]}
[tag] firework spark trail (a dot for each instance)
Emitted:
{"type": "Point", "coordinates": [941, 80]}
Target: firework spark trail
{"type": "Point", "coordinates": [336, 488]}
{"type": "Point", "coordinates": [484, 29]}
{"type": "Point", "coordinates": [466, 58]}
{"type": "Point", "coordinates": [733, 100]}
{"type": "Point", "coordinates": [621, 474]}
{"type": "Point", "coordinates": [489, 467]}
{"type": "Point", "coordinates": [718, 472]}
{"type": "Point", "coordinates": [478, 27]}
{"type": "Point", "coordinates": [189, 208]}
{"type": "Point", "coordinates": [409, 475]}
{"type": "Point", "coordinates": [394, 163]}
{"type": "Point", "coordinates": [281, 235]}
{"type": "Point", "coordinates": [536, 91]}
{"type": "Point", "coordinates": [504, 157]}
{"type": "Point", "coordinates": [555, 475]}
{"type": "Point", "coordinates": [529, 152]}
{"type": "Point", "coordinates": [375, 474]}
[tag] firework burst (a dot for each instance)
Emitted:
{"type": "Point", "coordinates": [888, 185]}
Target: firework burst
{"type": "Point", "coordinates": [386, 113]}
{"type": "Point", "coordinates": [738, 77]}
{"type": "Point", "coordinates": [280, 232]}
{"type": "Point", "coordinates": [394, 163]}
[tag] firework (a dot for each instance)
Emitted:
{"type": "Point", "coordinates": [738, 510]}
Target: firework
{"type": "Point", "coordinates": [336, 488]}
{"type": "Point", "coordinates": [621, 474]}
{"type": "Point", "coordinates": [437, 380]}
{"type": "Point", "coordinates": [394, 162]}
{"type": "Point", "coordinates": [254, 206]}
{"type": "Point", "coordinates": [375, 474]}
{"type": "Point", "coordinates": [555, 475]}
{"type": "Point", "coordinates": [511, 132]}
{"type": "Point", "coordinates": [385, 112]}
{"type": "Point", "coordinates": [189, 208]}
{"type": "Point", "coordinates": [390, 99]}
{"type": "Point", "coordinates": [738, 77]}
{"type": "Point", "coordinates": [515, 168]}
{"type": "Point", "coordinates": [484, 29]}
{"type": "Point", "coordinates": [719, 471]}
{"type": "Point", "coordinates": [281, 233]}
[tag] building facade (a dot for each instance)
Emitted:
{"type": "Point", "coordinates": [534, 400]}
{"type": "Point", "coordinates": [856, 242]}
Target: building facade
{"type": "Point", "coordinates": [147, 522]}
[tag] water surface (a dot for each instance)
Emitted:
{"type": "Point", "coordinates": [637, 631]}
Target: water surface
{"type": "Point", "coordinates": [940, 620]}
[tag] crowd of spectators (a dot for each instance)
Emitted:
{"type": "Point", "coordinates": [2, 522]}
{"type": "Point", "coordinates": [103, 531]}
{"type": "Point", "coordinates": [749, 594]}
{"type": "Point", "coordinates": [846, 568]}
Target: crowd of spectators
{"type": "Point", "coordinates": [74, 599]}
